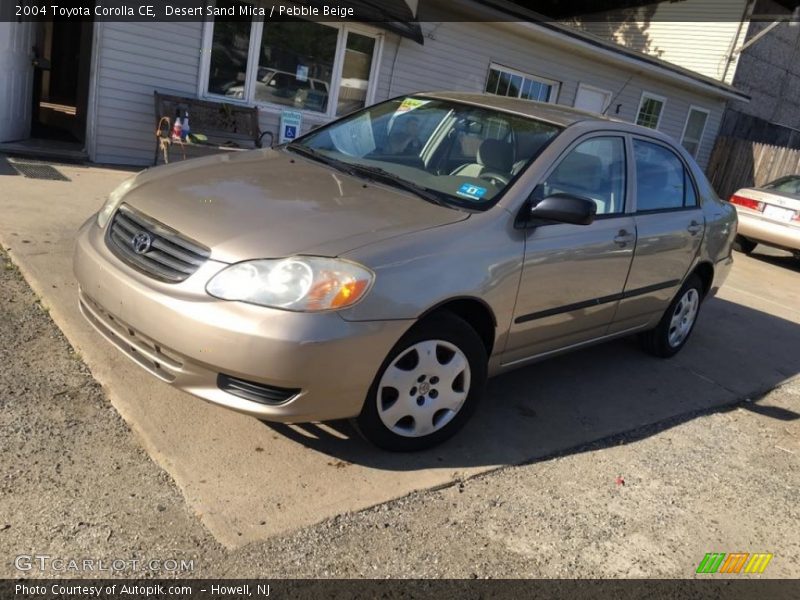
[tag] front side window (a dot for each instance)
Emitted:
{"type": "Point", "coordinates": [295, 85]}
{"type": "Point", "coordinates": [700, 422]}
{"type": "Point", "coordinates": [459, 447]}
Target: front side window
{"type": "Point", "coordinates": [506, 82]}
{"type": "Point", "coordinates": [650, 109]}
{"type": "Point", "coordinates": [447, 151]}
{"type": "Point", "coordinates": [662, 181]}
{"type": "Point", "coordinates": [693, 130]}
{"type": "Point", "coordinates": [594, 169]}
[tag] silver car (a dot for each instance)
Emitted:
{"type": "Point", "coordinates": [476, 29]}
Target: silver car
{"type": "Point", "coordinates": [381, 267]}
{"type": "Point", "coordinates": [769, 215]}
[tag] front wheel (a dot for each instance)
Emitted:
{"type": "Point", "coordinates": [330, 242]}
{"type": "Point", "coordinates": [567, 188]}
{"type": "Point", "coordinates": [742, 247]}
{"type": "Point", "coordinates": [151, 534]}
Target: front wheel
{"type": "Point", "coordinates": [672, 332]}
{"type": "Point", "coordinates": [427, 387]}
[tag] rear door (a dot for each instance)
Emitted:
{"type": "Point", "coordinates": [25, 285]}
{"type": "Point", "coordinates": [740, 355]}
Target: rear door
{"type": "Point", "coordinates": [669, 228]}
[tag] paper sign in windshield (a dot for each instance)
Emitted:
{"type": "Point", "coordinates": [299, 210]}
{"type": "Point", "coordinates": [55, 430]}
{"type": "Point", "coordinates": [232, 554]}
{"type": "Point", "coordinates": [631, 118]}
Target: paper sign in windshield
{"type": "Point", "coordinates": [471, 191]}
{"type": "Point", "coordinates": [410, 104]}
{"type": "Point", "coordinates": [354, 138]}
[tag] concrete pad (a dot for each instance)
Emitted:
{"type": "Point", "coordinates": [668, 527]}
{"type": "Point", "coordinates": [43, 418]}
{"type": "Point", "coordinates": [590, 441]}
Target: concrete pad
{"type": "Point", "coordinates": [248, 480]}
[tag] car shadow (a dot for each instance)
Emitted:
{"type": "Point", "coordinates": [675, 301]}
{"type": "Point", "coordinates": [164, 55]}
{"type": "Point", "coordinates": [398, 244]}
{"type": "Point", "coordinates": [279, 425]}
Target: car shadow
{"type": "Point", "coordinates": [603, 395]}
{"type": "Point", "coordinates": [778, 259]}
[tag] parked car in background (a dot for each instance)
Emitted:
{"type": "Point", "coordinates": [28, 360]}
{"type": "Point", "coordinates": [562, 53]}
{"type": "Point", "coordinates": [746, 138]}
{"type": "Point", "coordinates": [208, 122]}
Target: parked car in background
{"type": "Point", "coordinates": [380, 267]}
{"type": "Point", "coordinates": [281, 87]}
{"type": "Point", "coordinates": [769, 215]}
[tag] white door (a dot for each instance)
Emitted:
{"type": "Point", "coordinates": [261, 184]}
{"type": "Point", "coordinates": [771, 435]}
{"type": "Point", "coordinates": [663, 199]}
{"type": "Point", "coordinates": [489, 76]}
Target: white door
{"type": "Point", "coordinates": [592, 99]}
{"type": "Point", "coordinates": [16, 83]}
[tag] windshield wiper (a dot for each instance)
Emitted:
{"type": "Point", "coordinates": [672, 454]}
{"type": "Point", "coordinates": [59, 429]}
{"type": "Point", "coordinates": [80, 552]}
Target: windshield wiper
{"type": "Point", "coordinates": [318, 156]}
{"type": "Point", "coordinates": [378, 174]}
{"type": "Point", "coordinates": [371, 173]}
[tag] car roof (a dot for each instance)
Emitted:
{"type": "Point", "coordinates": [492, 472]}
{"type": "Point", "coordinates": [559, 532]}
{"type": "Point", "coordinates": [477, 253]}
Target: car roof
{"type": "Point", "coordinates": [546, 111]}
{"type": "Point", "coordinates": [557, 114]}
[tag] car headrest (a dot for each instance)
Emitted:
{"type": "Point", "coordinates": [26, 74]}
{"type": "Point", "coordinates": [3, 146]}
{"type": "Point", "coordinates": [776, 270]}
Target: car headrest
{"type": "Point", "coordinates": [496, 155]}
{"type": "Point", "coordinates": [579, 169]}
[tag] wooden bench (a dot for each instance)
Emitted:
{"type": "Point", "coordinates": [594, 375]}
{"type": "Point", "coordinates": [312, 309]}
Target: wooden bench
{"type": "Point", "coordinates": [214, 127]}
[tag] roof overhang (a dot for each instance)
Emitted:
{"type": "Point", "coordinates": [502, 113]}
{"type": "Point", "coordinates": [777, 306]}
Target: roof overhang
{"type": "Point", "coordinates": [608, 51]}
{"type": "Point", "coordinates": [397, 16]}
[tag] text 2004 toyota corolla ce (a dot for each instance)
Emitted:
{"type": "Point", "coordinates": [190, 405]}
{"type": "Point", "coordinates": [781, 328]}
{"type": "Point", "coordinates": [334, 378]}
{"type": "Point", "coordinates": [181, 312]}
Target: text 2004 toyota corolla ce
{"type": "Point", "coordinates": [382, 266]}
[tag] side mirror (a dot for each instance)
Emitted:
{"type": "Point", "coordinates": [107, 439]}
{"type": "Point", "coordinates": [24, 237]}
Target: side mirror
{"type": "Point", "coordinates": [565, 208]}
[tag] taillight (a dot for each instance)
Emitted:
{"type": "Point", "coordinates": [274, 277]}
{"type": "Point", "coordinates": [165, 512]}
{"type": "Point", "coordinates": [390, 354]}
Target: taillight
{"type": "Point", "coordinates": [747, 202]}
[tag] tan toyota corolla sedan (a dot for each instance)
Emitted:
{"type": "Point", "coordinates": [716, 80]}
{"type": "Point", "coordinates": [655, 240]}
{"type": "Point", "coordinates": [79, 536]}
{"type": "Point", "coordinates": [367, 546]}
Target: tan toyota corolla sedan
{"type": "Point", "coordinates": [382, 266]}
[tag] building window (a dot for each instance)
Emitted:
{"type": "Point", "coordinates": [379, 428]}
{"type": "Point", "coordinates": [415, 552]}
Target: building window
{"type": "Point", "coordinates": [296, 64]}
{"type": "Point", "coordinates": [693, 130]}
{"type": "Point", "coordinates": [357, 64]}
{"type": "Point", "coordinates": [650, 109]}
{"type": "Point", "coordinates": [321, 68]}
{"type": "Point", "coordinates": [230, 49]}
{"type": "Point", "coordinates": [507, 82]}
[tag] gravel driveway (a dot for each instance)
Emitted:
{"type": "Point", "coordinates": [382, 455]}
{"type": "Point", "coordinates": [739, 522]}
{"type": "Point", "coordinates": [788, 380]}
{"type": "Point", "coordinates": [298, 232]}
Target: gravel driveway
{"type": "Point", "coordinates": [647, 503]}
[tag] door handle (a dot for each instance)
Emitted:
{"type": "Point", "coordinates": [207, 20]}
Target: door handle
{"type": "Point", "coordinates": [694, 228]}
{"type": "Point", "coordinates": [623, 238]}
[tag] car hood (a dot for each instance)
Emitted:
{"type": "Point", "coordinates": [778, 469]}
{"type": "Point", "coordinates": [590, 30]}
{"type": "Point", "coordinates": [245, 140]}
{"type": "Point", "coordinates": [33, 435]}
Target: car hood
{"type": "Point", "coordinates": [273, 203]}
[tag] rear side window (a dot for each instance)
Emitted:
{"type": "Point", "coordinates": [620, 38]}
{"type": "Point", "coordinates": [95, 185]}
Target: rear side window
{"type": "Point", "coordinates": [662, 181]}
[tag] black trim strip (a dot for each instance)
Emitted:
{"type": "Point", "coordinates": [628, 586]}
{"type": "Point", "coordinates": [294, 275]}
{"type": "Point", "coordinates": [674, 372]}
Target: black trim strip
{"type": "Point", "coordinates": [651, 288]}
{"type": "Point", "coordinates": [253, 391]}
{"type": "Point", "coordinates": [596, 301]}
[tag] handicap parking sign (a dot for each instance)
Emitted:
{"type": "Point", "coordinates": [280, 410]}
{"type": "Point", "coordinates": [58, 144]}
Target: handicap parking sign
{"type": "Point", "coordinates": [290, 125]}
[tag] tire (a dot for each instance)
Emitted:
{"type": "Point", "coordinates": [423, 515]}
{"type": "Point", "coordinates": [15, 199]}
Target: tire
{"type": "Point", "coordinates": [744, 245]}
{"type": "Point", "coordinates": [677, 324]}
{"type": "Point", "coordinates": [427, 388]}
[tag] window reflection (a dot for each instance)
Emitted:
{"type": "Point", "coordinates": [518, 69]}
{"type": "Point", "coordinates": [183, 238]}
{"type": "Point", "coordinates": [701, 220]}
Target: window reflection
{"type": "Point", "coordinates": [296, 64]}
{"type": "Point", "coordinates": [230, 46]}
{"type": "Point", "coordinates": [355, 73]}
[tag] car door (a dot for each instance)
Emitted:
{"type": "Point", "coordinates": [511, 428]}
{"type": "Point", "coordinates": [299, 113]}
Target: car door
{"type": "Point", "coordinates": [573, 275]}
{"type": "Point", "coordinates": [669, 225]}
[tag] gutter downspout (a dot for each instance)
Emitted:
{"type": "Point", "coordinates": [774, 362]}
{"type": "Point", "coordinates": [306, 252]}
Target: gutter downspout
{"type": "Point", "coordinates": [749, 7]}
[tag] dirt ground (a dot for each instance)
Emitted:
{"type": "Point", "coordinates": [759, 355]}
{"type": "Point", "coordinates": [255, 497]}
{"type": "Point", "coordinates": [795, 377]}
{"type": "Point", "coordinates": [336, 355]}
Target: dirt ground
{"type": "Point", "coordinates": [646, 503]}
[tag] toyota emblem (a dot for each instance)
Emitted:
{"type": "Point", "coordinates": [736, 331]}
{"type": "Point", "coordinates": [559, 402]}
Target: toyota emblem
{"type": "Point", "coordinates": [141, 242]}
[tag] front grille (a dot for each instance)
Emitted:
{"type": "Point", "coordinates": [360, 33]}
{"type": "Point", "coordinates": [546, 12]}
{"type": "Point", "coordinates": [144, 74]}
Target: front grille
{"type": "Point", "coordinates": [257, 392]}
{"type": "Point", "coordinates": [161, 253]}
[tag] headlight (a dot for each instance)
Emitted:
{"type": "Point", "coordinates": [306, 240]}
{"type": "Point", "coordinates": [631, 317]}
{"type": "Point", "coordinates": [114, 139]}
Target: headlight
{"type": "Point", "coordinates": [114, 199]}
{"type": "Point", "coordinates": [299, 283]}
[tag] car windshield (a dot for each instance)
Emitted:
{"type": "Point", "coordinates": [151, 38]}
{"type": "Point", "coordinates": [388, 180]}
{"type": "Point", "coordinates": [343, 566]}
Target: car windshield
{"type": "Point", "coordinates": [444, 151]}
{"type": "Point", "coordinates": [787, 185]}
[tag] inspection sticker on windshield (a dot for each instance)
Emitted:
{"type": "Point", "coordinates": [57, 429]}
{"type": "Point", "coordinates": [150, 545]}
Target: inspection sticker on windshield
{"type": "Point", "coordinates": [471, 191]}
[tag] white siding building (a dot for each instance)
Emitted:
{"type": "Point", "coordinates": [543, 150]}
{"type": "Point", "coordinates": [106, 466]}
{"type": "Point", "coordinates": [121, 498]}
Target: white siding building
{"type": "Point", "coordinates": [348, 64]}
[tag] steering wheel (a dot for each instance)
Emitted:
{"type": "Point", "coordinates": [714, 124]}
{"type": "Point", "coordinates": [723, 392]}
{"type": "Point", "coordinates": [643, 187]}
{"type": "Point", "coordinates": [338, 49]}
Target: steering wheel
{"type": "Point", "coordinates": [494, 177]}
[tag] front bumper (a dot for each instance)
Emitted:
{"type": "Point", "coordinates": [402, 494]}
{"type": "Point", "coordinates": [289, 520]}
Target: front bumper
{"type": "Point", "coordinates": [183, 336]}
{"type": "Point", "coordinates": [772, 233]}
